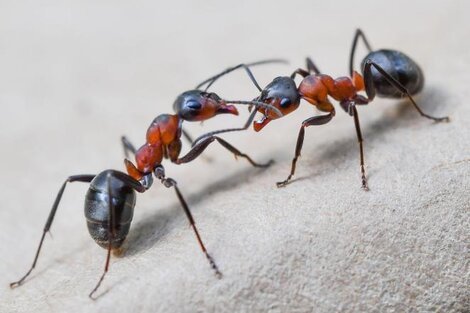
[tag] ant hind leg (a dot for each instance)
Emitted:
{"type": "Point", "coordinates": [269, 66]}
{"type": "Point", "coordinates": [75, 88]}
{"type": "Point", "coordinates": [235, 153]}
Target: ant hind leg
{"type": "Point", "coordinates": [370, 88]}
{"type": "Point", "coordinates": [50, 219]}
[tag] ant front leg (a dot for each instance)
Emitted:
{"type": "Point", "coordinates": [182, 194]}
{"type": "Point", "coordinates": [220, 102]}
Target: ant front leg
{"type": "Point", "coordinates": [204, 143]}
{"type": "Point", "coordinates": [370, 88]}
{"type": "Point", "coordinates": [169, 182]}
{"type": "Point", "coordinates": [187, 136]}
{"type": "Point", "coordinates": [316, 120]}
{"type": "Point", "coordinates": [192, 142]}
{"type": "Point", "coordinates": [227, 130]}
{"type": "Point", "coordinates": [50, 219]}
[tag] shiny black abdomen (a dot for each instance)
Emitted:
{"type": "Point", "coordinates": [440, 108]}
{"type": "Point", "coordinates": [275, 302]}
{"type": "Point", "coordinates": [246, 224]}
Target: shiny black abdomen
{"type": "Point", "coordinates": [399, 66]}
{"type": "Point", "coordinates": [97, 209]}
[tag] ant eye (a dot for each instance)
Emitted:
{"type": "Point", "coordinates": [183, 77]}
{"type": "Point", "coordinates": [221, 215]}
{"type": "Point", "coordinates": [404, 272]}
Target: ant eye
{"type": "Point", "coordinates": [285, 102]}
{"type": "Point", "coordinates": [193, 105]}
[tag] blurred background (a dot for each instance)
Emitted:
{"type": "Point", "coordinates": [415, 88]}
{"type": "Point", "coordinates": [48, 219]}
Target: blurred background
{"type": "Point", "coordinates": [76, 75]}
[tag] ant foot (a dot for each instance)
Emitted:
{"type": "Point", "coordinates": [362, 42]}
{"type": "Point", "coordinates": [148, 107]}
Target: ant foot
{"type": "Point", "coordinates": [284, 183]}
{"type": "Point", "coordinates": [218, 273]}
{"type": "Point", "coordinates": [15, 284]}
{"type": "Point", "coordinates": [365, 186]}
{"type": "Point", "coordinates": [263, 165]}
{"type": "Point", "coordinates": [442, 119]}
{"type": "Point", "coordinates": [270, 162]}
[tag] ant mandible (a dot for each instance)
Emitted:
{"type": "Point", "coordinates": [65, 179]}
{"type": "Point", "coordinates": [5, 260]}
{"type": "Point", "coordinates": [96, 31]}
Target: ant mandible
{"type": "Point", "coordinates": [385, 72]}
{"type": "Point", "coordinates": [164, 133]}
{"type": "Point", "coordinates": [109, 209]}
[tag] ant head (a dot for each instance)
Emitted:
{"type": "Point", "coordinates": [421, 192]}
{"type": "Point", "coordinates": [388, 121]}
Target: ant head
{"type": "Point", "coordinates": [197, 105]}
{"type": "Point", "coordinates": [281, 93]}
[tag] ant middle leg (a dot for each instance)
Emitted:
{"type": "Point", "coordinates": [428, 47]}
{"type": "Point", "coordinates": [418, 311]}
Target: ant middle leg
{"type": "Point", "coordinates": [370, 88]}
{"type": "Point", "coordinates": [361, 147]}
{"type": "Point", "coordinates": [316, 120]}
{"type": "Point", "coordinates": [50, 219]}
{"type": "Point", "coordinates": [204, 143]}
{"type": "Point", "coordinates": [169, 182]}
{"type": "Point", "coordinates": [188, 137]}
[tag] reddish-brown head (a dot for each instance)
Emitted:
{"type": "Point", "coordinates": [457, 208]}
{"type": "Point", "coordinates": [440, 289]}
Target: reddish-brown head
{"type": "Point", "coordinates": [197, 105]}
{"type": "Point", "coordinates": [282, 94]}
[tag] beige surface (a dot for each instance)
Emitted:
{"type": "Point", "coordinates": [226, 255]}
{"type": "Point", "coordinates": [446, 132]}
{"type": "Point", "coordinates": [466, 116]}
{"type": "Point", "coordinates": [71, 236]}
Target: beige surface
{"type": "Point", "coordinates": [75, 76]}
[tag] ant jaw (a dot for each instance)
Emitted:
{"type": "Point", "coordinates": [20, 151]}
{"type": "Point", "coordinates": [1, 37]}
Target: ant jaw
{"type": "Point", "coordinates": [259, 125]}
{"type": "Point", "coordinates": [227, 109]}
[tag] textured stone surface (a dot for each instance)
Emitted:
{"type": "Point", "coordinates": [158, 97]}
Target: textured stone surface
{"type": "Point", "coordinates": [75, 76]}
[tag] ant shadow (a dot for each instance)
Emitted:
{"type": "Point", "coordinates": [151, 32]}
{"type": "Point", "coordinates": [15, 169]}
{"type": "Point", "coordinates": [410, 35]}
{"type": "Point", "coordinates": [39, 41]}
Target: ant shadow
{"type": "Point", "coordinates": [401, 115]}
{"type": "Point", "coordinates": [153, 228]}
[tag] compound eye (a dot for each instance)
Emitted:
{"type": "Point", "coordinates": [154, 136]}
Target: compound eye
{"type": "Point", "coordinates": [193, 105]}
{"type": "Point", "coordinates": [285, 102]}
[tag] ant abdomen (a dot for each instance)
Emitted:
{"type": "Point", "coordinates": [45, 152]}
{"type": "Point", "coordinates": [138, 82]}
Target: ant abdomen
{"type": "Point", "coordinates": [398, 65]}
{"type": "Point", "coordinates": [97, 209]}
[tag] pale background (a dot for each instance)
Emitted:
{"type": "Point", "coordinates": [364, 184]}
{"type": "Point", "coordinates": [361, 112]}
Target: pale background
{"type": "Point", "coordinates": [76, 75]}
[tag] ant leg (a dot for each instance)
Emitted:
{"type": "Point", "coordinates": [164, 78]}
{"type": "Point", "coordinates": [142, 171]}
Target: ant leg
{"type": "Point", "coordinates": [358, 34]}
{"type": "Point", "coordinates": [227, 130]}
{"type": "Point", "coordinates": [129, 181]}
{"type": "Point", "coordinates": [111, 234]}
{"type": "Point", "coordinates": [169, 182]}
{"type": "Point", "coordinates": [300, 72]}
{"type": "Point", "coordinates": [192, 142]}
{"type": "Point", "coordinates": [312, 68]}
{"type": "Point", "coordinates": [212, 79]}
{"type": "Point", "coordinates": [71, 179]}
{"type": "Point", "coordinates": [316, 120]}
{"type": "Point", "coordinates": [370, 88]}
{"type": "Point", "coordinates": [361, 148]}
{"type": "Point", "coordinates": [188, 137]}
{"type": "Point", "coordinates": [128, 146]}
{"type": "Point", "coordinates": [203, 144]}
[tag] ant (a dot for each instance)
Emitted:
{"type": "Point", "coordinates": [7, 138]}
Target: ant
{"type": "Point", "coordinates": [109, 208]}
{"type": "Point", "coordinates": [385, 72]}
{"type": "Point", "coordinates": [111, 197]}
{"type": "Point", "coordinates": [164, 133]}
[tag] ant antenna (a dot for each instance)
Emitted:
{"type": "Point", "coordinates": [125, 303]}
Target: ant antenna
{"type": "Point", "coordinates": [212, 79]}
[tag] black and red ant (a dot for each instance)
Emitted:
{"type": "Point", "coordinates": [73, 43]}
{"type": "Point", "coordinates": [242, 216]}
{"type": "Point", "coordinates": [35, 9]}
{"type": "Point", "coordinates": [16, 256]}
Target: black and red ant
{"type": "Point", "coordinates": [386, 73]}
{"type": "Point", "coordinates": [111, 197]}
{"type": "Point", "coordinates": [109, 209]}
